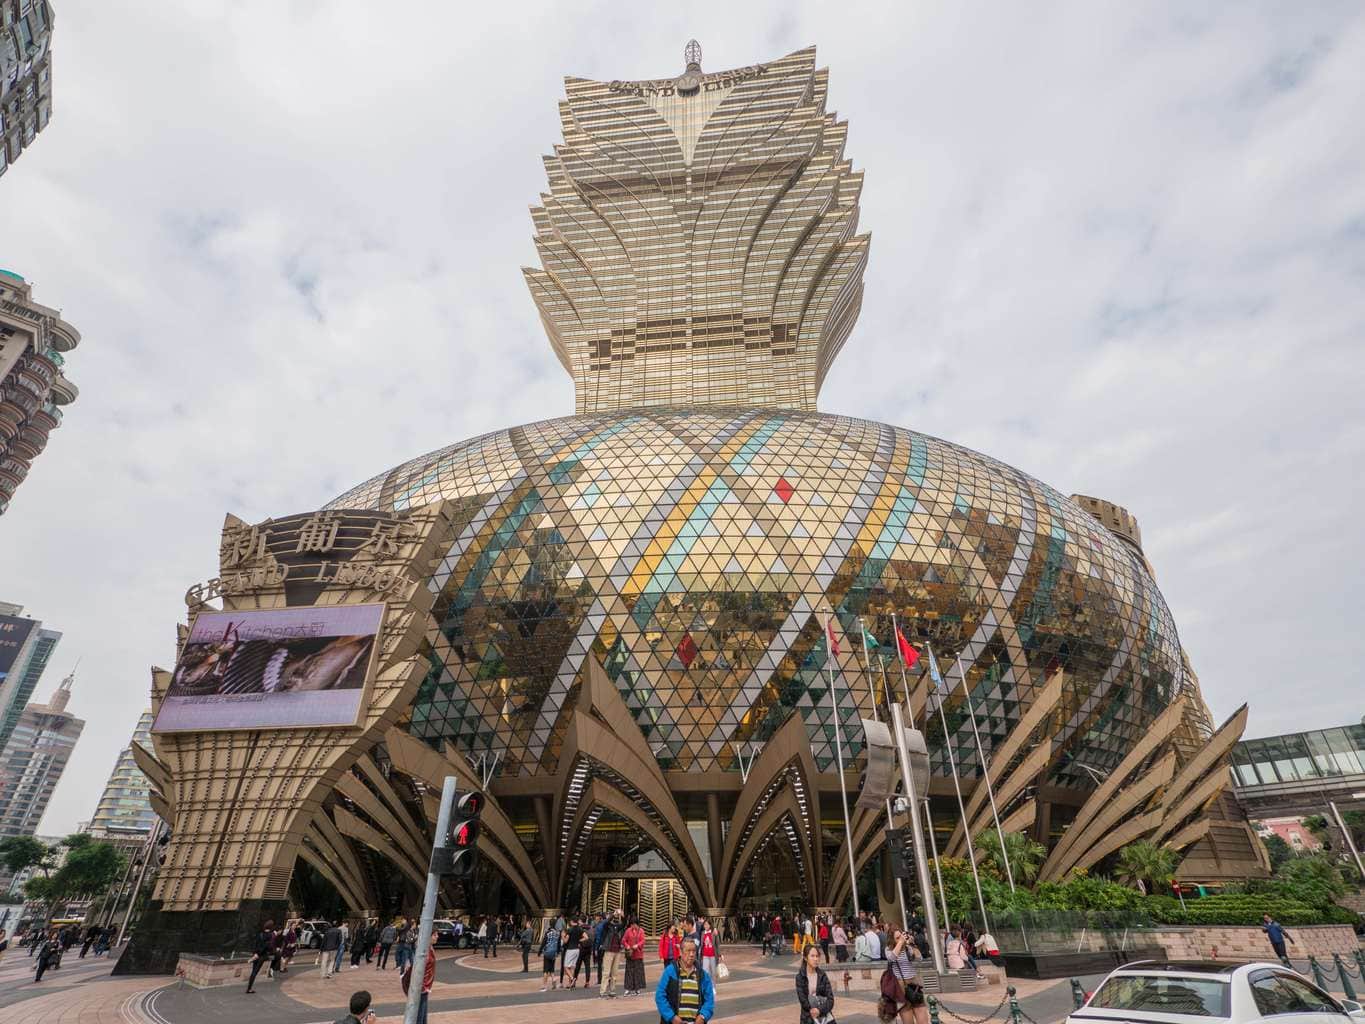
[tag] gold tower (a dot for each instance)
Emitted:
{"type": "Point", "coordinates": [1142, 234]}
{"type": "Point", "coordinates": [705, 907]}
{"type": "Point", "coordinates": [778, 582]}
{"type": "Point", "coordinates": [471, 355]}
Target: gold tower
{"type": "Point", "coordinates": [699, 241]}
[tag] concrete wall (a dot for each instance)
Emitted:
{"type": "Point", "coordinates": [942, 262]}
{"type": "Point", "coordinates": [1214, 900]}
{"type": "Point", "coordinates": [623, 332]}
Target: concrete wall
{"type": "Point", "coordinates": [1199, 941]}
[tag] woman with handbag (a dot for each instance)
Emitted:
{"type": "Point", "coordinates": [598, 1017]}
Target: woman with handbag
{"type": "Point", "coordinates": [813, 990]}
{"type": "Point", "coordinates": [902, 997]}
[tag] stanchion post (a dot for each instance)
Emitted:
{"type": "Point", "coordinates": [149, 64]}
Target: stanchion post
{"type": "Point", "coordinates": [1345, 978]}
{"type": "Point", "coordinates": [1015, 1015]}
{"type": "Point", "coordinates": [1316, 968]}
{"type": "Point", "coordinates": [933, 1011]}
{"type": "Point", "coordinates": [1360, 961]}
{"type": "Point", "coordinates": [1077, 993]}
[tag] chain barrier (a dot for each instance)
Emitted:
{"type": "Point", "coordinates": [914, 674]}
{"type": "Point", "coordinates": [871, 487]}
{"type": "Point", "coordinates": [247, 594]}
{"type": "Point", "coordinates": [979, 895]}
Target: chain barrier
{"type": "Point", "coordinates": [938, 1004]}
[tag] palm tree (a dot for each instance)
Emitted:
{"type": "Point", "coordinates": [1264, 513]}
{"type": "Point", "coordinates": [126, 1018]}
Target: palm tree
{"type": "Point", "coordinates": [1147, 863]}
{"type": "Point", "coordinates": [1026, 856]}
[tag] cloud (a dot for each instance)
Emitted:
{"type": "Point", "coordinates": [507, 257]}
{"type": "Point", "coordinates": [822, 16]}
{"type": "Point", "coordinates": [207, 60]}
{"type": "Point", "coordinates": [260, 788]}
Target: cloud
{"type": "Point", "coordinates": [1118, 246]}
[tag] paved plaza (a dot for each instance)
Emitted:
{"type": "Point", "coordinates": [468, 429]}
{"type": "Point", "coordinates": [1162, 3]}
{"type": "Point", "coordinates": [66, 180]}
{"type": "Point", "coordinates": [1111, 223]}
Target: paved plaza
{"type": "Point", "coordinates": [759, 991]}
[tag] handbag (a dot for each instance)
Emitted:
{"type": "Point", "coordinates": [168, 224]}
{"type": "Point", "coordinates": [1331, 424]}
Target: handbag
{"type": "Point", "coordinates": [723, 972]}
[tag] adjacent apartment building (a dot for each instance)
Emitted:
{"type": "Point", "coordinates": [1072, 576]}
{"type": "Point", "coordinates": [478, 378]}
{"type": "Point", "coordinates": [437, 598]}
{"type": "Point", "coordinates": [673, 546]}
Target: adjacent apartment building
{"type": "Point", "coordinates": [124, 809]}
{"type": "Point", "coordinates": [25, 649]}
{"type": "Point", "coordinates": [33, 760]}
{"type": "Point", "coordinates": [33, 387]}
{"type": "Point", "coordinates": [25, 75]}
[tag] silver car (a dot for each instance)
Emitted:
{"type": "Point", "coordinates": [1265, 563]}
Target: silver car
{"type": "Point", "coordinates": [1175, 992]}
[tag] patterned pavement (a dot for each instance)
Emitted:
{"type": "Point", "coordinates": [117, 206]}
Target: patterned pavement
{"type": "Point", "coordinates": [759, 991]}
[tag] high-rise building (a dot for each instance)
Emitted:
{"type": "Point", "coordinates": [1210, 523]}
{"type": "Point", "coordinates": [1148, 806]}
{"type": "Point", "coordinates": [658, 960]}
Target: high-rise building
{"type": "Point", "coordinates": [124, 809]}
{"type": "Point", "coordinates": [33, 760]}
{"type": "Point", "coordinates": [25, 75]}
{"type": "Point", "coordinates": [33, 339]}
{"type": "Point", "coordinates": [25, 649]}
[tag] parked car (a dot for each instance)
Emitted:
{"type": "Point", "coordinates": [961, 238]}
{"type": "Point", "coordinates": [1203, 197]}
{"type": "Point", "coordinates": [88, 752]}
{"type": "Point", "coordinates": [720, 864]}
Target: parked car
{"type": "Point", "coordinates": [443, 932]}
{"type": "Point", "coordinates": [311, 932]}
{"type": "Point", "coordinates": [1148, 992]}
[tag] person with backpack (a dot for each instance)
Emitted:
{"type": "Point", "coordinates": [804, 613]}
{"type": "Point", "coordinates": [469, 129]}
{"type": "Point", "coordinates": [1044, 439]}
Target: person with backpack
{"type": "Point", "coordinates": [814, 993]}
{"type": "Point", "coordinates": [823, 935]}
{"type": "Point", "coordinates": [685, 992]}
{"type": "Point", "coordinates": [549, 952]}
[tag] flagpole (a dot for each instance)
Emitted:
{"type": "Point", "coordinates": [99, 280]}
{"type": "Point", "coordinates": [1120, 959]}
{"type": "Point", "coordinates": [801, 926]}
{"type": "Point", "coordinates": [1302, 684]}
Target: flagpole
{"type": "Point", "coordinates": [905, 684]}
{"type": "Point", "coordinates": [957, 786]}
{"type": "Point", "coordinates": [839, 754]}
{"type": "Point", "coordinates": [890, 822]}
{"type": "Point", "coordinates": [986, 773]}
{"type": "Point", "coordinates": [938, 872]}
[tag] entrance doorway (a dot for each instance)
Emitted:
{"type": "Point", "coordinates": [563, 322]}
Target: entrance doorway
{"type": "Point", "coordinates": [655, 898]}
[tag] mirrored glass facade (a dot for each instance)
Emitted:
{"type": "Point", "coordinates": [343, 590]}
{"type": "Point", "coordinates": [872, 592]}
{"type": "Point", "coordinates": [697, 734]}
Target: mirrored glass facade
{"type": "Point", "coordinates": [1301, 756]}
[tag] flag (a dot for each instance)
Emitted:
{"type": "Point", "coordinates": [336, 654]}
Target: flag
{"type": "Point", "coordinates": [869, 639]}
{"type": "Point", "coordinates": [940, 687]}
{"type": "Point", "coordinates": [908, 654]}
{"type": "Point", "coordinates": [829, 633]}
{"type": "Point", "coordinates": [687, 650]}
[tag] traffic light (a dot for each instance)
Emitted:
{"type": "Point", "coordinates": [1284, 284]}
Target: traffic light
{"type": "Point", "coordinates": [463, 835]}
{"type": "Point", "coordinates": [900, 845]}
{"type": "Point", "coordinates": [878, 783]}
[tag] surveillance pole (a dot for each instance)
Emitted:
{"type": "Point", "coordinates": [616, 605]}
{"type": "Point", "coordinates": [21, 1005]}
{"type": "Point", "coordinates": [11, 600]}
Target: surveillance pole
{"type": "Point", "coordinates": [429, 906]}
{"type": "Point", "coordinates": [917, 833]}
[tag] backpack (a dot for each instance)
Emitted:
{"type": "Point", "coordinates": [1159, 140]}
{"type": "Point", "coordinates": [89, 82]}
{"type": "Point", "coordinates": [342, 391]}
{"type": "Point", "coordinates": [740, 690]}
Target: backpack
{"type": "Point", "coordinates": [550, 947]}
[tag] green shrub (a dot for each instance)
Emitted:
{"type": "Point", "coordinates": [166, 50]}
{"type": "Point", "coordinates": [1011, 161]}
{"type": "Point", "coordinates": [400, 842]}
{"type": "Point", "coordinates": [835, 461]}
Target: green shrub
{"type": "Point", "coordinates": [1243, 909]}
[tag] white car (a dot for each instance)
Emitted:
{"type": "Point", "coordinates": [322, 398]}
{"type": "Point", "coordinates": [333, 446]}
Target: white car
{"type": "Point", "coordinates": [1176, 992]}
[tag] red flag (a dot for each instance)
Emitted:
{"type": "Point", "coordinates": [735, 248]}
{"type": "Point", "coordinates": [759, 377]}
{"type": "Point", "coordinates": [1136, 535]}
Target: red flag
{"type": "Point", "coordinates": [829, 632]}
{"type": "Point", "coordinates": [908, 654]}
{"type": "Point", "coordinates": [687, 650]}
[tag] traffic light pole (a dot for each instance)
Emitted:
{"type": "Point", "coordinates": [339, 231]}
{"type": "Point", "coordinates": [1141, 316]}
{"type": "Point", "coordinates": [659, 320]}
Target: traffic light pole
{"type": "Point", "coordinates": [917, 832]}
{"type": "Point", "coordinates": [428, 908]}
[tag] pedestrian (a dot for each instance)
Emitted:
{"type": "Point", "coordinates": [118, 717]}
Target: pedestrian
{"type": "Point", "coordinates": [403, 947]}
{"type": "Point", "coordinates": [4, 943]}
{"type": "Point", "coordinates": [584, 961]}
{"type": "Point", "coordinates": [549, 954]}
{"type": "Point", "coordinates": [615, 933]}
{"type": "Point", "coordinates": [265, 942]}
{"type": "Point", "coordinates": [667, 943]}
{"type": "Point", "coordinates": [1274, 931]}
{"type": "Point", "coordinates": [569, 964]}
{"type": "Point", "coordinates": [428, 979]}
{"type": "Point", "coordinates": [387, 938]}
{"type": "Point", "coordinates": [599, 949]}
{"type": "Point", "coordinates": [342, 946]}
{"type": "Point", "coordinates": [327, 950]}
{"type": "Point", "coordinates": [49, 956]}
{"type": "Point", "coordinates": [956, 951]}
{"type": "Point", "coordinates": [813, 990]}
{"type": "Point", "coordinates": [685, 992]}
{"type": "Point", "coordinates": [91, 934]}
{"type": "Point", "coordinates": [525, 940]}
{"type": "Point", "coordinates": [989, 948]}
{"type": "Point", "coordinates": [291, 946]}
{"type": "Point", "coordinates": [482, 936]}
{"type": "Point", "coordinates": [862, 950]}
{"type": "Point", "coordinates": [633, 946]}
{"type": "Point", "coordinates": [276, 953]}
{"type": "Point", "coordinates": [360, 1009]}
{"type": "Point", "coordinates": [901, 993]}
{"type": "Point", "coordinates": [710, 950]}
{"type": "Point", "coordinates": [840, 939]}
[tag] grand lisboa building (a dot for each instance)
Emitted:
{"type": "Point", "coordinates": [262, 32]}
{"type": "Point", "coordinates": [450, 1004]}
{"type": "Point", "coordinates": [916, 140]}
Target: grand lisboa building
{"type": "Point", "coordinates": [620, 627]}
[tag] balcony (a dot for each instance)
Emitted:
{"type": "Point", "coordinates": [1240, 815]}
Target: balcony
{"type": "Point", "coordinates": [34, 435]}
{"type": "Point", "coordinates": [63, 391]}
{"type": "Point", "coordinates": [21, 449]}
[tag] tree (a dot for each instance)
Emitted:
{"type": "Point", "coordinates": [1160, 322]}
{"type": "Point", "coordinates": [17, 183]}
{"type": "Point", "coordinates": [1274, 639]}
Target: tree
{"type": "Point", "coordinates": [91, 866]}
{"type": "Point", "coordinates": [1025, 856]}
{"type": "Point", "coordinates": [1279, 852]}
{"type": "Point", "coordinates": [19, 853]}
{"type": "Point", "coordinates": [1147, 863]}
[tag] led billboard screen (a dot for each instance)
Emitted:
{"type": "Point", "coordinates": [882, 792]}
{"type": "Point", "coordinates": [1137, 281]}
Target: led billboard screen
{"type": "Point", "coordinates": [285, 668]}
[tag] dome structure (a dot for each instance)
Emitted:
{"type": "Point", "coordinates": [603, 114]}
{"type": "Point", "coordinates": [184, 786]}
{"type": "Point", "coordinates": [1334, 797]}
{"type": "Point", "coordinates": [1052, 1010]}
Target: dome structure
{"type": "Point", "coordinates": [695, 553]}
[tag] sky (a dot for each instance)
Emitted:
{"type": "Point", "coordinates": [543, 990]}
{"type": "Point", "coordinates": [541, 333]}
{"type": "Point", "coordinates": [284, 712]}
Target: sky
{"type": "Point", "coordinates": [1119, 246]}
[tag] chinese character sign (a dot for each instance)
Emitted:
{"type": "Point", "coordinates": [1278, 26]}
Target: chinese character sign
{"type": "Point", "coordinates": [14, 633]}
{"type": "Point", "coordinates": [287, 668]}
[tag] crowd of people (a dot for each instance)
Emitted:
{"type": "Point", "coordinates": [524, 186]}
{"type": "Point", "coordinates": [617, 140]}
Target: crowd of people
{"type": "Point", "coordinates": [47, 946]}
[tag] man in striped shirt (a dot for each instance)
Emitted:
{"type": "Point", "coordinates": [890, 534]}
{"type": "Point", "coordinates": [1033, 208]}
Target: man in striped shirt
{"type": "Point", "coordinates": [685, 994]}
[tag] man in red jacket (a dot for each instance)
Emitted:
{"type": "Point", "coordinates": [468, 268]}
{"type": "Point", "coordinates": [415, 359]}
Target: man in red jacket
{"type": "Point", "coordinates": [428, 979]}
